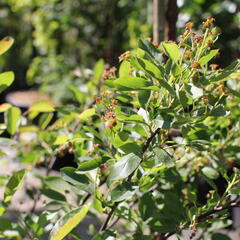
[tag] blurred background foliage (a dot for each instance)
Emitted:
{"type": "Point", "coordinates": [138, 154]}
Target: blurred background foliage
{"type": "Point", "coordinates": [56, 40]}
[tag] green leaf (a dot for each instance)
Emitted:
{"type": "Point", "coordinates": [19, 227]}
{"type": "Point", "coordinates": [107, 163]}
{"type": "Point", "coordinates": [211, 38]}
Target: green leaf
{"type": "Point", "coordinates": [172, 50]}
{"type": "Point", "coordinates": [119, 139]}
{"type": "Point", "coordinates": [131, 147]}
{"type": "Point", "coordinates": [13, 184]}
{"type": "Point", "coordinates": [122, 192]}
{"type": "Point", "coordinates": [205, 59]}
{"type": "Point", "coordinates": [194, 91]}
{"type": "Point", "coordinates": [226, 72]}
{"type": "Point", "coordinates": [218, 111]}
{"type": "Point", "coordinates": [97, 204]}
{"type": "Point", "coordinates": [183, 98]}
{"type": "Point", "coordinates": [6, 79]}
{"type": "Point", "coordinates": [220, 236]}
{"type": "Point", "coordinates": [78, 95]}
{"type": "Point", "coordinates": [5, 44]}
{"type": "Point", "coordinates": [98, 70]}
{"type": "Point", "coordinates": [2, 211]}
{"type": "Point", "coordinates": [87, 114]}
{"type": "Point", "coordinates": [61, 139]}
{"type": "Point", "coordinates": [124, 167]}
{"type": "Point", "coordinates": [92, 164]}
{"type": "Point", "coordinates": [150, 49]}
{"type": "Point", "coordinates": [45, 119]}
{"type": "Point", "coordinates": [125, 69]}
{"type": "Point", "coordinates": [147, 206]}
{"type": "Point", "coordinates": [68, 222]}
{"type": "Point", "coordinates": [70, 175]}
{"type": "Point", "coordinates": [13, 119]}
{"type": "Point", "coordinates": [144, 97]}
{"type": "Point", "coordinates": [53, 194]}
{"type": "Point", "coordinates": [57, 184]}
{"type": "Point", "coordinates": [131, 83]}
{"type": "Point", "coordinates": [161, 156]}
{"type": "Point", "coordinates": [167, 86]}
{"type": "Point", "coordinates": [42, 106]}
{"type": "Point", "coordinates": [147, 66]}
{"type": "Point", "coordinates": [210, 172]}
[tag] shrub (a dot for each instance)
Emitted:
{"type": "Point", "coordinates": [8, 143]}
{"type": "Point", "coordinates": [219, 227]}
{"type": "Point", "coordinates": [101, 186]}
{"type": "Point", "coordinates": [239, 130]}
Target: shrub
{"type": "Point", "coordinates": [142, 137]}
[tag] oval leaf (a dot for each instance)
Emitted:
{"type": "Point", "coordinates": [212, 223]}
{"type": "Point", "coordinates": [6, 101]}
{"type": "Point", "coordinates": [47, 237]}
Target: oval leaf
{"type": "Point", "coordinates": [205, 59]}
{"type": "Point", "coordinates": [172, 50]}
{"type": "Point", "coordinates": [124, 167]}
{"type": "Point", "coordinates": [210, 172]}
{"type": "Point", "coordinates": [13, 184]}
{"type": "Point", "coordinates": [5, 44]}
{"type": "Point", "coordinates": [68, 222]}
{"type": "Point", "coordinates": [92, 164]}
{"type": "Point", "coordinates": [42, 106]}
{"type": "Point", "coordinates": [130, 83]}
{"type": "Point", "coordinates": [6, 79]}
{"type": "Point", "coordinates": [98, 70]}
{"type": "Point", "coordinates": [13, 117]}
{"type": "Point", "coordinates": [85, 115]}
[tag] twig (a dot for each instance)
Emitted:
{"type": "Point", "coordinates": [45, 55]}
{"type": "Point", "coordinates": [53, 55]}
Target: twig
{"type": "Point", "coordinates": [145, 147]}
{"type": "Point", "coordinates": [105, 224]}
{"type": "Point", "coordinates": [149, 140]}
{"type": "Point", "coordinates": [202, 216]}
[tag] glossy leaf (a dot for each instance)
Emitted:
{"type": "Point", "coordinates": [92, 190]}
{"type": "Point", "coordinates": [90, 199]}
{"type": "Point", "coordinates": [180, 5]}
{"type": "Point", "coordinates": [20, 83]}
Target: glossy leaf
{"type": "Point", "coordinates": [42, 106]}
{"type": "Point", "coordinates": [163, 157]}
{"type": "Point", "coordinates": [5, 44]}
{"type": "Point", "coordinates": [87, 114]}
{"type": "Point", "coordinates": [223, 75]}
{"type": "Point", "coordinates": [150, 68]}
{"type": "Point", "coordinates": [92, 164]}
{"type": "Point", "coordinates": [150, 49]}
{"type": "Point", "coordinates": [61, 139]}
{"type": "Point", "coordinates": [210, 172]}
{"type": "Point", "coordinates": [13, 118]}
{"type": "Point", "coordinates": [125, 69]}
{"type": "Point", "coordinates": [172, 51]}
{"type": "Point", "coordinates": [6, 79]}
{"type": "Point", "coordinates": [131, 83]}
{"type": "Point", "coordinates": [124, 167]}
{"type": "Point", "coordinates": [205, 59]}
{"type": "Point", "coordinates": [122, 192]}
{"type": "Point", "coordinates": [57, 184]}
{"type": "Point", "coordinates": [194, 91]}
{"type": "Point", "coordinates": [13, 185]}
{"type": "Point", "coordinates": [98, 70]}
{"type": "Point", "coordinates": [70, 175]}
{"type": "Point", "coordinates": [57, 196]}
{"type": "Point", "coordinates": [2, 211]}
{"type": "Point", "coordinates": [68, 222]}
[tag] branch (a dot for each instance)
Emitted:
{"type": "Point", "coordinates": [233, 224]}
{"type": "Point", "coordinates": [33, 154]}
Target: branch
{"type": "Point", "coordinates": [145, 147]}
{"type": "Point", "coordinates": [149, 140]}
{"type": "Point", "coordinates": [105, 224]}
{"type": "Point", "coordinates": [204, 215]}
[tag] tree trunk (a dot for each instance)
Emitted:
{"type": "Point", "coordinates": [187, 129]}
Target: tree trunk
{"type": "Point", "coordinates": [159, 20]}
{"type": "Point", "coordinates": [172, 16]}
